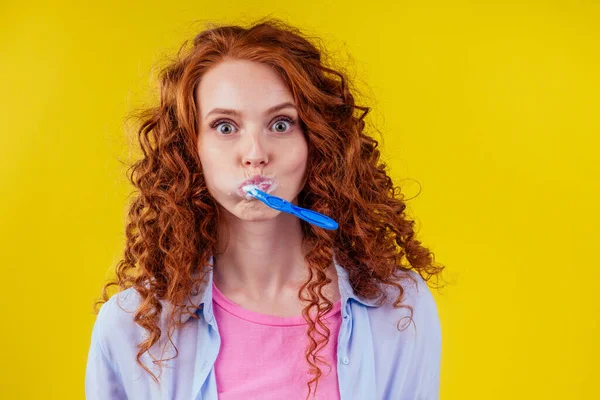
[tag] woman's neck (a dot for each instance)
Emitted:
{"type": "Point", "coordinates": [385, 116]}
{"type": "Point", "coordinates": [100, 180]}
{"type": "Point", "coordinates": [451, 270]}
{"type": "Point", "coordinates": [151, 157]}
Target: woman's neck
{"type": "Point", "coordinates": [264, 259]}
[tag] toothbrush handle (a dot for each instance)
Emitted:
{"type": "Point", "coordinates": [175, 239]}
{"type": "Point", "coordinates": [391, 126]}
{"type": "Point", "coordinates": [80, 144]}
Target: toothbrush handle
{"type": "Point", "coordinates": [313, 217]}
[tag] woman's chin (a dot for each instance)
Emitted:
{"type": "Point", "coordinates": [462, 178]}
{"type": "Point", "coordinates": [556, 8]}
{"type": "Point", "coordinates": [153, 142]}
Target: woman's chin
{"type": "Point", "coordinates": [254, 209]}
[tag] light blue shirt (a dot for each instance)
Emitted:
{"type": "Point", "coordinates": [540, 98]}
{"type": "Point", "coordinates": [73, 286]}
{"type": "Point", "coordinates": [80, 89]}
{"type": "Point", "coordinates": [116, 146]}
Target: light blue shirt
{"type": "Point", "coordinates": [379, 355]}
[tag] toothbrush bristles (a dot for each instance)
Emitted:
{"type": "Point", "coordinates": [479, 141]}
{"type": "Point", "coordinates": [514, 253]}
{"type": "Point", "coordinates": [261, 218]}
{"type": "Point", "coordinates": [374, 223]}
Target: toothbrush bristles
{"type": "Point", "coordinates": [250, 191]}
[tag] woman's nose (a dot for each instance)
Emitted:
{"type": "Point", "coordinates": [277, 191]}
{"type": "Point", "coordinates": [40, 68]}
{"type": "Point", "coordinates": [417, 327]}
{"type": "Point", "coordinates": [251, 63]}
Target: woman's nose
{"type": "Point", "coordinates": [255, 151]}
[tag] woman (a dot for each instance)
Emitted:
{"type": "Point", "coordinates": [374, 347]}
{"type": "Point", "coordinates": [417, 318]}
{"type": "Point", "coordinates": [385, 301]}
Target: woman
{"type": "Point", "coordinates": [221, 296]}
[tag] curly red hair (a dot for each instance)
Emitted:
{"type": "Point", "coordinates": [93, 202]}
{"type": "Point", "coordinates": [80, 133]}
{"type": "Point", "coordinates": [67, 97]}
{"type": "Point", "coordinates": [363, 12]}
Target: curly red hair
{"type": "Point", "coordinates": [172, 222]}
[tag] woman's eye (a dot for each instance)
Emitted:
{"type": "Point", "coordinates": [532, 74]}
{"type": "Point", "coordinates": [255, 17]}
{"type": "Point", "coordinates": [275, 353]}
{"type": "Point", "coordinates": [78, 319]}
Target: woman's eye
{"type": "Point", "coordinates": [227, 131]}
{"type": "Point", "coordinates": [280, 124]}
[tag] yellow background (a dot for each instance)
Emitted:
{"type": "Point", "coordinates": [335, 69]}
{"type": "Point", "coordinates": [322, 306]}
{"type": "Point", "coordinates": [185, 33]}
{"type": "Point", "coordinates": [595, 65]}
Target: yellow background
{"type": "Point", "coordinates": [490, 111]}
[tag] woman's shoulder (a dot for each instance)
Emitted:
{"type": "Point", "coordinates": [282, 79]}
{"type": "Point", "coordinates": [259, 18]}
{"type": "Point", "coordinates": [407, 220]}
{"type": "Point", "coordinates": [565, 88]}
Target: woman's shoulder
{"type": "Point", "coordinates": [418, 307]}
{"type": "Point", "coordinates": [120, 304]}
{"type": "Point", "coordinates": [117, 313]}
{"type": "Point", "coordinates": [417, 292]}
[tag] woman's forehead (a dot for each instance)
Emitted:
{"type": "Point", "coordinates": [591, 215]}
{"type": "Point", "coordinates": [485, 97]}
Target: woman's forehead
{"type": "Point", "coordinates": [241, 85]}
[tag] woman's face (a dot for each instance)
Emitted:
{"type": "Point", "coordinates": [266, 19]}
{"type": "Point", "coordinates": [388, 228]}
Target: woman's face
{"type": "Point", "coordinates": [249, 127]}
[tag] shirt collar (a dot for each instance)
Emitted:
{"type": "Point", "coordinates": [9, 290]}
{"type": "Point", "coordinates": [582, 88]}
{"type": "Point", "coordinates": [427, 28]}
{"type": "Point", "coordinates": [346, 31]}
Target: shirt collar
{"type": "Point", "coordinates": [202, 294]}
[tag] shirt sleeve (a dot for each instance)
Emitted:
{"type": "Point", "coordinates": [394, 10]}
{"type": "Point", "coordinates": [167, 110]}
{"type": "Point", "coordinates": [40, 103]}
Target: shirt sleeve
{"type": "Point", "coordinates": [102, 382]}
{"type": "Point", "coordinates": [428, 345]}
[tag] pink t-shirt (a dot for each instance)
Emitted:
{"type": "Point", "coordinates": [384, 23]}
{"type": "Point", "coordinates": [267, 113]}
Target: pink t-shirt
{"type": "Point", "coordinates": [262, 356]}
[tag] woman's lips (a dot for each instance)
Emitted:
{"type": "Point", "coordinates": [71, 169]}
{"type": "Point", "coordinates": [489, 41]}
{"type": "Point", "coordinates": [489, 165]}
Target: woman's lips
{"type": "Point", "coordinates": [261, 183]}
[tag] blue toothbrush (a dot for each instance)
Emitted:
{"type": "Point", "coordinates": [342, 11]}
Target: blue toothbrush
{"type": "Point", "coordinates": [280, 204]}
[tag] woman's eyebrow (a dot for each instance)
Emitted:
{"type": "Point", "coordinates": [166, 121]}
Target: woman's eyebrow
{"type": "Point", "coordinates": [228, 111]}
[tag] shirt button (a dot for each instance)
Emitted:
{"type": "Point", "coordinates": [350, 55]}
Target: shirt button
{"type": "Point", "coordinates": [345, 360]}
